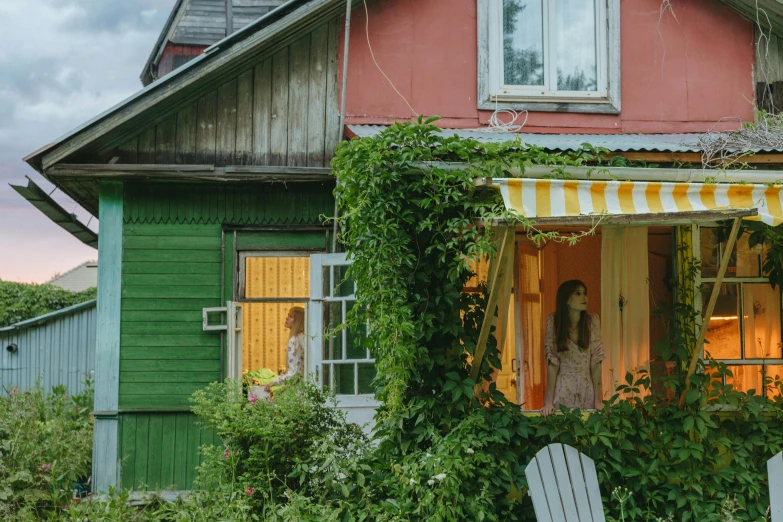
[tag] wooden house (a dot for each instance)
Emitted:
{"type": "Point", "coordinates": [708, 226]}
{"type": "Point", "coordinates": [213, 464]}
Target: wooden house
{"type": "Point", "coordinates": [210, 183]}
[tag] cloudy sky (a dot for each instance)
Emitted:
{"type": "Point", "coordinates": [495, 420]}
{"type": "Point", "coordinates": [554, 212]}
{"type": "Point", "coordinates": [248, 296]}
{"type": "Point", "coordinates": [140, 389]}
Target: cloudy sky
{"type": "Point", "coordinates": [61, 63]}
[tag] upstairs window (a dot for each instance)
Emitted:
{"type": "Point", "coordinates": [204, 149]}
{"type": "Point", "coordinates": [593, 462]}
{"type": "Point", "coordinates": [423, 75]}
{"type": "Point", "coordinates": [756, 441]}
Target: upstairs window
{"type": "Point", "coordinates": [549, 55]}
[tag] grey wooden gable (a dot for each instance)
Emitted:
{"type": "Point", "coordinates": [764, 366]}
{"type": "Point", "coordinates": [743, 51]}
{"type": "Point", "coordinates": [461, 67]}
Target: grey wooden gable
{"type": "Point", "coordinates": [204, 22]}
{"type": "Point", "coordinates": [265, 97]}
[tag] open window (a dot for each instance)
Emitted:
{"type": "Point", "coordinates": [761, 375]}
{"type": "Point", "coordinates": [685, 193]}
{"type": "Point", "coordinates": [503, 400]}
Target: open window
{"type": "Point", "coordinates": [338, 358]}
{"type": "Point", "coordinates": [744, 330]}
{"type": "Point", "coordinates": [549, 55]}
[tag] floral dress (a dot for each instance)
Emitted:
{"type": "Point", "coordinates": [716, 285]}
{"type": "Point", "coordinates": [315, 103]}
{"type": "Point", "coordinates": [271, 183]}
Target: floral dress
{"type": "Point", "coordinates": [574, 386]}
{"type": "Point", "coordinates": [295, 359]}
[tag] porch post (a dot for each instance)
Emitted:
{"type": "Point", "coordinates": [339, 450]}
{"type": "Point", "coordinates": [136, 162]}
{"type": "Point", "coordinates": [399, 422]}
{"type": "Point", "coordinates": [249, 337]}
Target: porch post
{"type": "Point", "coordinates": [105, 464]}
{"type": "Point", "coordinates": [496, 278]}
{"type": "Point", "coordinates": [724, 263]}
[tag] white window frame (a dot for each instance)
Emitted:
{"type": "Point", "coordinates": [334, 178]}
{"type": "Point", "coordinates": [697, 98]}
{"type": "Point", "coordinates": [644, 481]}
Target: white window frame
{"type": "Point", "coordinates": [493, 95]}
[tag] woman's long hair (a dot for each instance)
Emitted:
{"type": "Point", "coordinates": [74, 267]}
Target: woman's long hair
{"type": "Point", "coordinates": [297, 313]}
{"type": "Point", "coordinates": [563, 320]}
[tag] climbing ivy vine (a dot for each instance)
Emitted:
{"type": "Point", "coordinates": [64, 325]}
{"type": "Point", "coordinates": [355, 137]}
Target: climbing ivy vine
{"type": "Point", "coordinates": [413, 224]}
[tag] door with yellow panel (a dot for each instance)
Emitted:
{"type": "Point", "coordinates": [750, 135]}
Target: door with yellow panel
{"type": "Point", "coordinates": [272, 286]}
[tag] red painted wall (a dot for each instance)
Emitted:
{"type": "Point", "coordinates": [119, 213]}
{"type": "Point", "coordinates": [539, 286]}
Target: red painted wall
{"type": "Point", "coordinates": [678, 75]}
{"type": "Point", "coordinates": [174, 56]}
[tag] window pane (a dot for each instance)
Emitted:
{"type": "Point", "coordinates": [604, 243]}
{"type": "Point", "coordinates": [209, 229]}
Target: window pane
{"type": "Point", "coordinates": [710, 253]}
{"type": "Point", "coordinates": [267, 276]}
{"type": "Point", "coordinates": [333, 340]}
{"type": "Point", "coordinates": [744, 260]}
{"type": "Point", "coordinates": [327, 371]}
{"type": "Point", "coordinates": [344, 379]}
{"type": "Point", "coordinates": [523, 42]}
{"type": "Point", "coordinates": [775, 373]}
{"type": "Point", "coordinates": [355, 340]}
{"type": "Point", "coordinates": [723, 334]}
{"type": "Point", "coordinates": [576, 47]}
{"type": "Point", "coordinates": [366, 375]}
{"type": "Point", "coordinates": [265, 337]}
{"type": "Point", "coordinates": [762, 321]}
{"type": "Point", "coordinates": [343, 285]}
{"type": "Point", "coordinates": [746, 378]}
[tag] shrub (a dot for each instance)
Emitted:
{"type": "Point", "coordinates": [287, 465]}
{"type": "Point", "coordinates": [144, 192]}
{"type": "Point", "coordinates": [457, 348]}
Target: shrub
{"type": "Point", "coordinates": [268, 443]}
{"type": "Point", "coordinates": [45, 450]}
{"type": "Point", "coordinates": [21, 301]}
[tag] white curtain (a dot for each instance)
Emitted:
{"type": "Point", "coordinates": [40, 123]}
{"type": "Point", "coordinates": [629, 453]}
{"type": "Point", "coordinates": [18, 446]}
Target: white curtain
{"type": "Point", "coordinates": [625, 304]}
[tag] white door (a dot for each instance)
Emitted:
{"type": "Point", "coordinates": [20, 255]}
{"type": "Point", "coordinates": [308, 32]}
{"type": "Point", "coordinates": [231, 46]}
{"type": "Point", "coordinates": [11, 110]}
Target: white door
{"type": "Point", "coordinates": [338, 359]}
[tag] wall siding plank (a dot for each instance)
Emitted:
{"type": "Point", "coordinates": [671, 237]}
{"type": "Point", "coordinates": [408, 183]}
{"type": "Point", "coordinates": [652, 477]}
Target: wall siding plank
{"type": "Point", "coordinates": [187, 120]}
{"type": "Point", "coordinates": [167, 365]}
{"type": "Point", "coordinates": [206, 132]}
{"type": "Point", "coordinates": [298, 98]}
{"type": "Point", "coordinates": [316, 105]}
{"type": "Point", "coordinates": [141, 448]}
{"type": "Point", "coordinates": [262, 112]}
{"type": "Point", "coordinates": [168, 445]}
{"type": "Point", "coordinates": [332, 133]}
{"type": "Point", "coordinates": [244, 141]}
{"type": "Point", "coordinates": [278, 139]}
{"type": "Point", "coordinates": [147, 146]}
{"type": "Point", "coordinates": [226, 123]}
{"type": "Point", "coordinates": [166, 141]}
{"type": "Point", "coordinates": [128, 451]}
{"type": "Point", "coordinates": [181, 450]}
{"type": "Point", "coordinates": [155, 451]}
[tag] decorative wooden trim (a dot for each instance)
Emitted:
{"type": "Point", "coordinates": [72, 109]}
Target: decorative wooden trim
{"type": "Point", "coordinates": [106, 469]}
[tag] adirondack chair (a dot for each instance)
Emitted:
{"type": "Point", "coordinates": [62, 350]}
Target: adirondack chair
{"type": "Point", "coordinates": [564, 486]}
{"type": "Point", "coordinates": [775, 475]}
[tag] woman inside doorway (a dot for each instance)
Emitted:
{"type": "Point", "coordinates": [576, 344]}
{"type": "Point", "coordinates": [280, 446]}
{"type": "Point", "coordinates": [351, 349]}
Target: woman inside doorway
{"type": "Point", "coordinates": [295, 358]}
{"type": "Point", "coordinates": [573, 352]}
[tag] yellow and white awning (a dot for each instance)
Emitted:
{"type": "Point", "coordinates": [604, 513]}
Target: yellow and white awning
{"type": "Point", "coordinates": [549, 198]}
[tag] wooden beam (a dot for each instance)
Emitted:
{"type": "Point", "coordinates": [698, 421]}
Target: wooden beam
{"type": "Point", "coordinates": [643, 219]}
{"type": "Point", "coordinates": [724, 263]}
{"type": "Point", "coordinates": [247, 173]}
{"type": "Point", "coordinates": [496, 279]}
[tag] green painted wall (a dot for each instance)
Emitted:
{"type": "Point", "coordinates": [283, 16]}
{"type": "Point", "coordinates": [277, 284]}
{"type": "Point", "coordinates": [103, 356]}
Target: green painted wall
{"type": "Point", "coordinates": [171, 269]}
{"type": "Point", "coordinates": [160, 450]}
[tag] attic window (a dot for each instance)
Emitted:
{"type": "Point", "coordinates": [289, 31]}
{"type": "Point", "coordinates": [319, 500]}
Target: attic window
{"type": "Point", "coordinates": [549, 55]}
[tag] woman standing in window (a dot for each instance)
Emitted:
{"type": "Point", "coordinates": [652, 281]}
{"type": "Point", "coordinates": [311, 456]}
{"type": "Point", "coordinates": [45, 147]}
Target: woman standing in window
{"type": "Point", "coordinates": [295, 322]}
{"type": "Point", "coordinates": [573, 352]}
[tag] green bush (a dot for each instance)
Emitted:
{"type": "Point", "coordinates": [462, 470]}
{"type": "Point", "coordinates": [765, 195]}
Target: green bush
{"type": "Point", "coordinates": [268, 445]}
{"type": "Point", "coordinates": [45, 451]}
{"type": "Point", "coordinates": [21, 301]}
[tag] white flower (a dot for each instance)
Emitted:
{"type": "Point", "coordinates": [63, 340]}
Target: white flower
{"type": "Point", "coordinates": [470, 451]}
{"type": "Point", "coordinates": [440, 476]}
{"type": "Point", "coordinates": [412, 481]}
{"type": "Point", "coordinates": [430, 482]}
{"type": "Point", "coordinates": [314, 469]}
{"type": "Point", "coordinates": [341, 475]}
{"type": "Point", "coordinates": [428, 454]}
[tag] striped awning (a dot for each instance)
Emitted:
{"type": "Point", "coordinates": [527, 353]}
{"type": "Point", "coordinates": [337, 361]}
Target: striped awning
{"type": "Point", "coordinates": [550, 198]}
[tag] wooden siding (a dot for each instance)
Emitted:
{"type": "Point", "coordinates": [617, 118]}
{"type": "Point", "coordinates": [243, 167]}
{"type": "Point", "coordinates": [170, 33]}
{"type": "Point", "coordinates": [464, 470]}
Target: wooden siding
{"type": "Point", "coordinates": [171, 269]}
{"type": "Point", "coordinates": [161, 450]}
{"type": "Point", "coordinates": [237, 204]}
{"type": "Point", "coordinates": [281, 110]}
{"type": "Point", "coordinates": [170, 272]}
{"type": "Point", "coordinates": [60, 352]}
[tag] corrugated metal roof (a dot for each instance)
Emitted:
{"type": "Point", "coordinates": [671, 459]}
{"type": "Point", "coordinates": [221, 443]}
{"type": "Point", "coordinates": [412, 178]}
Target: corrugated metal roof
{"type": "Point", "coordinates": [571, 142]}
{"type": "Point", "coordinates": [51, 209]}
{"type": "Point", "coordinates": [41, 319]}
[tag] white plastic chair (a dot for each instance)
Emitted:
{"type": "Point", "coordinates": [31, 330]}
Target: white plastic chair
{"type": "Point", "coordinates": [775, 475]}
{"type": "Point", "coordinates": [564, 486]}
